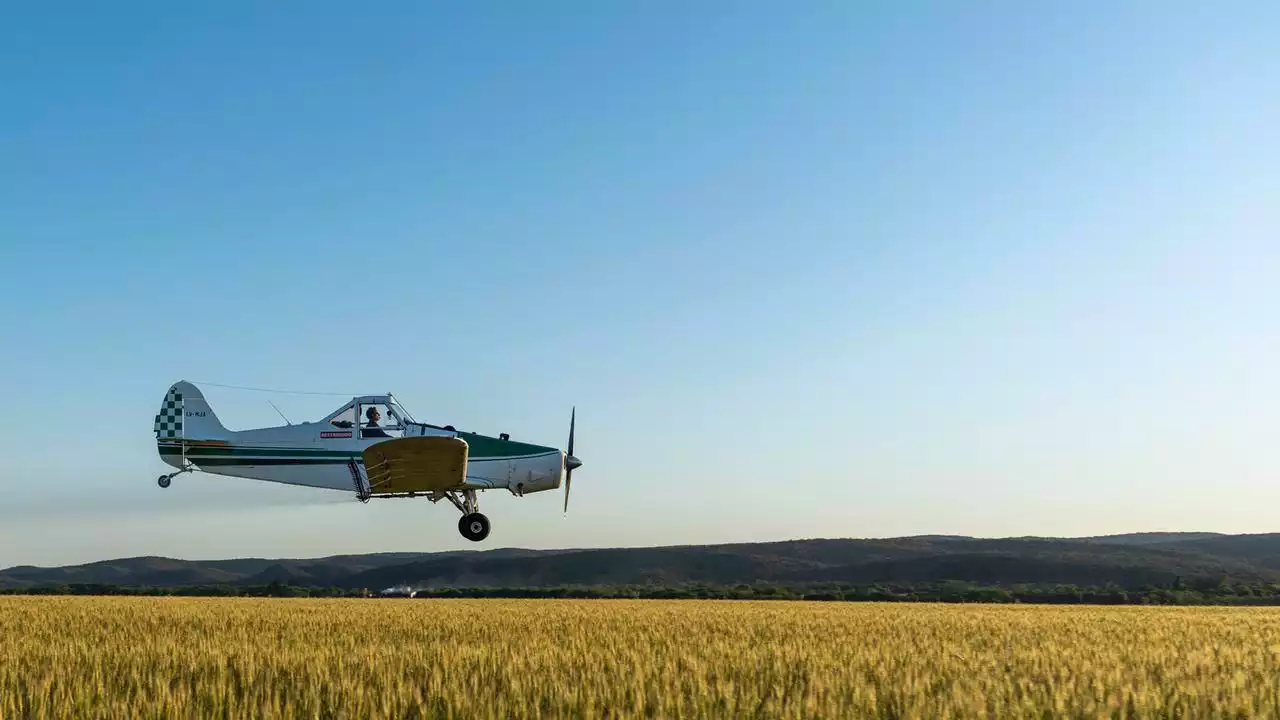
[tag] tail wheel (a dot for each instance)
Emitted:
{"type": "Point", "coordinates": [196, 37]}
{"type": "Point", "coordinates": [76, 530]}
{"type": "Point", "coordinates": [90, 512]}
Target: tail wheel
{"type": "Point", "coordinates": [474, 526]}
{"type": "Point", "coordinates": [164, 481]}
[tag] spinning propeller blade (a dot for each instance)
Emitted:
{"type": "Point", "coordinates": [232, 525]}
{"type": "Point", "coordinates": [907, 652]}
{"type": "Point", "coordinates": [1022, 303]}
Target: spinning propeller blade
{"type": "Point", "coordinates": [570, 462]}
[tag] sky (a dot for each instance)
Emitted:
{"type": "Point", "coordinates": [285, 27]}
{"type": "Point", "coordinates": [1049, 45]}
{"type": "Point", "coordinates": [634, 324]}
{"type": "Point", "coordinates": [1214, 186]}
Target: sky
{"type": "Point", "coordinates": [825, 269]}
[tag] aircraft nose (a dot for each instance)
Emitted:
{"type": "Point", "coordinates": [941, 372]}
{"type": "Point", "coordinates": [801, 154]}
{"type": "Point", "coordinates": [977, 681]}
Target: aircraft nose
{"type": "Point", "coordinates": [571, 462]}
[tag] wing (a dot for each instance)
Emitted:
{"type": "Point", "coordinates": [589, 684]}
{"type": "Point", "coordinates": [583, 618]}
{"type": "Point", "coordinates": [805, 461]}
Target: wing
{"type": "Point", "coordinates": [416, 464]}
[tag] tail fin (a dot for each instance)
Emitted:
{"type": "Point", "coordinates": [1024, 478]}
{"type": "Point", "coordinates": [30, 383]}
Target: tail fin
{"type": "Point", "coordinates": [185, 414]}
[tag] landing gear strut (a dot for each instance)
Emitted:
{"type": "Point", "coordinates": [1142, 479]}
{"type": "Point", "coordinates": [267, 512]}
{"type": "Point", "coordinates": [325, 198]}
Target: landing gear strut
{"type": "Point", "coordinates": [473, 525]}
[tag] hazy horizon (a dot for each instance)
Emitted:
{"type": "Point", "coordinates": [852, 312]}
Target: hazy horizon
{"type": "Point", "coordinates": [486, 548]}
{"type": "Point", "coordinates": [842, 270]}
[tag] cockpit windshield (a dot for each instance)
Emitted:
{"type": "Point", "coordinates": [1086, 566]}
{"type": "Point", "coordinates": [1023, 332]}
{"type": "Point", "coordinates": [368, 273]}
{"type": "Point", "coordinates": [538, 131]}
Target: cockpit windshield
{"type": "Point", "coordinates": [374, 416]}
{"type": "Point", "coordinates": [398, 410]}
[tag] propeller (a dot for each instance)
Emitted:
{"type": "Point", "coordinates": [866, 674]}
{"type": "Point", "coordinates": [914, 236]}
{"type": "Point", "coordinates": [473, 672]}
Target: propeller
{"type": "Point", "coordinates": [570, 462]}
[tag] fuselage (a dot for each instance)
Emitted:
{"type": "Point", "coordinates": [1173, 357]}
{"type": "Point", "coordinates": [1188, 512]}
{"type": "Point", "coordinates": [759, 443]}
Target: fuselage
{"type": "Point", "coordinates": [328, 453]}
{"type": "Point", "coordinates": [320, 455]}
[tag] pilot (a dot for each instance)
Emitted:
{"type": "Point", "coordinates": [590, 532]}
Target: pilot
{"type": "Point", "coordinates": [371, 427]}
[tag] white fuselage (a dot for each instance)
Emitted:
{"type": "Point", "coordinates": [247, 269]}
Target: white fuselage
{"type": "Point", "coordinates": [328, 453]}
{"type": "Point", "coordinates": [321, 456]}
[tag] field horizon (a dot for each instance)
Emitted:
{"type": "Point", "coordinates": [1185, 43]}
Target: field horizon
{"type": "Point", "coordinates": [1109, 568]}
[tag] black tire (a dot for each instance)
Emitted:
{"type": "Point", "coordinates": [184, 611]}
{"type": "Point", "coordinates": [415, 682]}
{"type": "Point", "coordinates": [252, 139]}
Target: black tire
{"type": "Point", "coordinates": [164, 481]}
{"type": "Point", "coordinates": [474, 527]}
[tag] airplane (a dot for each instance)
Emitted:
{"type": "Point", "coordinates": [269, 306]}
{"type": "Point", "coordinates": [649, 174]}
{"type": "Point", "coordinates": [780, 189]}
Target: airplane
{"type": "Point", "coordinates": [370, 446]}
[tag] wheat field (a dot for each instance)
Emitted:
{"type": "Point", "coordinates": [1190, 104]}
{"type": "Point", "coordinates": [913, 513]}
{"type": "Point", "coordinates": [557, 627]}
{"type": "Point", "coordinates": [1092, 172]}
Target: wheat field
{"type": "Point", "coordinates": [124, 657]}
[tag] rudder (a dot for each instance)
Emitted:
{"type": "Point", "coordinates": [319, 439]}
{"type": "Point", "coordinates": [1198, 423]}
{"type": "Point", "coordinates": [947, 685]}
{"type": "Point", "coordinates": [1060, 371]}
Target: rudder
{"type": "Point", "coordinates": [185, 414]}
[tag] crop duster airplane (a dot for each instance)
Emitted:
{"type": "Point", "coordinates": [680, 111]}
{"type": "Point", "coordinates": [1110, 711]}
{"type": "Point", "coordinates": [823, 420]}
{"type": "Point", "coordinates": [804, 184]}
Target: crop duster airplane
{"type": "Point", "coordinates": [369, 446]}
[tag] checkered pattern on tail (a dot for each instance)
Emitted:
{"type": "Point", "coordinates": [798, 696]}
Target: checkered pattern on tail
{"type": "Point", "coordinates": [169, 419]}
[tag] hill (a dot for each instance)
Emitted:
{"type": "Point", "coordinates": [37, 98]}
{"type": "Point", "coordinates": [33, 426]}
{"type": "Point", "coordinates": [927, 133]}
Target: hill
{"type": "Point", "coordinates": [1132, 561]}
{"type": "Point", "coordinates": [1153, 538]}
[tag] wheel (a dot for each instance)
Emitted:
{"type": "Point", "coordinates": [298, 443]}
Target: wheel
{"type": "Point", "coordinates": [164, 481]}
{"type": "Point", "coordinates": [474, 527]}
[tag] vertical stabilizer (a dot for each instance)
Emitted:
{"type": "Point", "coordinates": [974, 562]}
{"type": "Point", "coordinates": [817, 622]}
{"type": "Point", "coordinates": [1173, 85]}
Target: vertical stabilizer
{"type": "Point", "coordinates": [186, 415]}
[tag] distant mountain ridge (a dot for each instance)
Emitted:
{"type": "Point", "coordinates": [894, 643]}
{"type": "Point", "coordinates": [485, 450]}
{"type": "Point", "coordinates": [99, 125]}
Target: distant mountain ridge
{"type": "Point", "coordinates": [1128, 560]}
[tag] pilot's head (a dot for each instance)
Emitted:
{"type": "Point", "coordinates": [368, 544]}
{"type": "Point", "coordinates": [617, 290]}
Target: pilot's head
{"type": "Point", "coordinates": [373, 414]}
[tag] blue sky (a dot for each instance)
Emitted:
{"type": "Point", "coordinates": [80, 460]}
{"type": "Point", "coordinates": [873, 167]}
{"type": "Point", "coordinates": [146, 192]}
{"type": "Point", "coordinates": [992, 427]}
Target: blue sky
{"type": "Point", "coordinates": [827, 270]}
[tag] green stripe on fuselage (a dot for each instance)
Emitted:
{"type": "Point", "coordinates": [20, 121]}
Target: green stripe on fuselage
{"type": "Point", "coordinates": [199, 451]}
{"type": "Point", "coordinates": [480, 447]}
{"type": "Point", "coordinates": [491, 448]}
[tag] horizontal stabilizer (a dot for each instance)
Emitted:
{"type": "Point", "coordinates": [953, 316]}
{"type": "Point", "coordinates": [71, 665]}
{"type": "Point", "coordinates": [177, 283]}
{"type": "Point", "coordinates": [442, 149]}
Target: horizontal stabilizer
{"type": "Point", "coordinates": [416, 464]}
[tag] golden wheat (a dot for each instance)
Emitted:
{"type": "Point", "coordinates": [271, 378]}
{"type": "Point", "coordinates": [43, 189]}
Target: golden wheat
{"type": "Point", "coordinates": [309, 658]}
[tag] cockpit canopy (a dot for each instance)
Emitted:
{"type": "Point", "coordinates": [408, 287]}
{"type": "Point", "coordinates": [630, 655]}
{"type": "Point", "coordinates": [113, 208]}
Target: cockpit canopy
{"type": "Point", "coordinates": [375, 415]}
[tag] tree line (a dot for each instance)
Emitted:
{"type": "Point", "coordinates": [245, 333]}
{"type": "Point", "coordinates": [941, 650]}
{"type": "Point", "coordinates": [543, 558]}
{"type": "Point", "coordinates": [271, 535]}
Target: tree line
{"type": "Point", "coordinates": [1201, 592]}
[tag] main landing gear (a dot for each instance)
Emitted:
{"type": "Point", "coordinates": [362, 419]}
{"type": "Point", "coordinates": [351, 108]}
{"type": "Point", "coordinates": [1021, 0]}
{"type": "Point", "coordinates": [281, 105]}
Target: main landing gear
{"type": "Point", "coordinates": [473, 525]}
